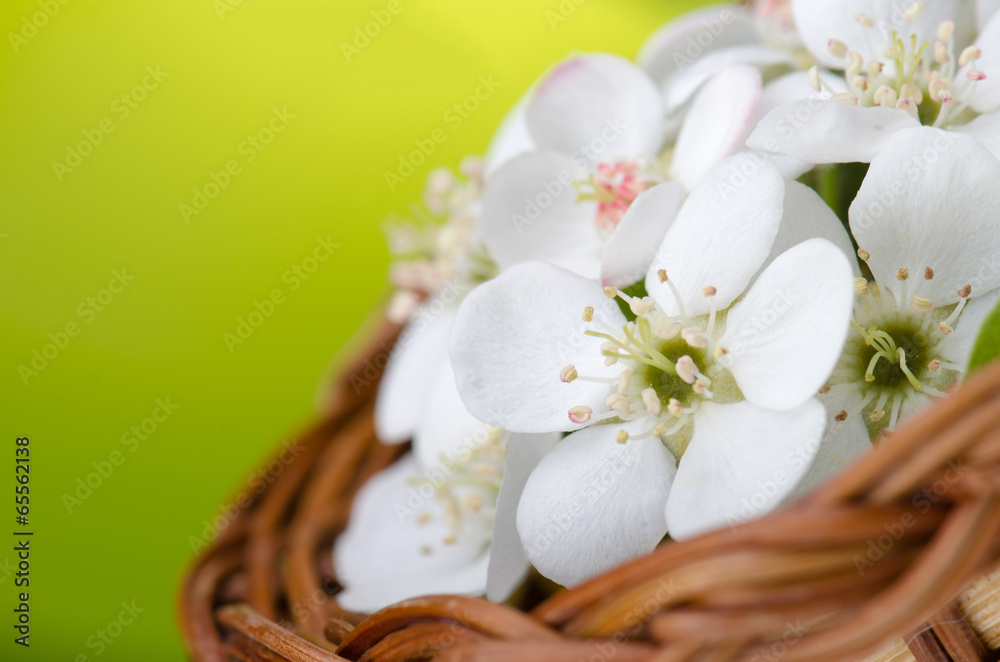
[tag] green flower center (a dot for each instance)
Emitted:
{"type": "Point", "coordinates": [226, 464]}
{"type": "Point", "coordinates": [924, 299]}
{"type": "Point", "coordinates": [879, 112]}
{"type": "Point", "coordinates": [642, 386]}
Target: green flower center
{"type": "Point", "coordinates": [892, 353]}
{"type": "Point", "coordinates": [668, 385]}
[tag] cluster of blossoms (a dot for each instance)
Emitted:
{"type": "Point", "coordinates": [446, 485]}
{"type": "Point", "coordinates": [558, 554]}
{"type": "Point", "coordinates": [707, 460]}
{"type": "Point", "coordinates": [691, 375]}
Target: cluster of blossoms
{"type": "Point", "coordinates": [439, 246]}
{"type": "Point", "coordinates": [639, 319]}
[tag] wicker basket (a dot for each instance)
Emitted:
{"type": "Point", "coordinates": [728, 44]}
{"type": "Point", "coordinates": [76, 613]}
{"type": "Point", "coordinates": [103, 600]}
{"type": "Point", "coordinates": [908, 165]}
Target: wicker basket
{"type": "Point", "coordinates": [881, 562]}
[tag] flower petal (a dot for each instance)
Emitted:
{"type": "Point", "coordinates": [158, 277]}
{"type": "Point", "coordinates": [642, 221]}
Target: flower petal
{"type": "Point", "coordinates": [793, 86]}
{"type": "Point", "coordinates": [511, 138]}
{"type": "Point", "coordinates": [930, 200]}
{"type": "Point", "coordinates": [721, 236]}
{"type": "Point", "coordinates": [686, 82]}
{"type": "Point", "coordinates": [987, 96]}
{"type": "Point", "coordinates": [716, 124]}
{"type": "Point", "coordinates": [678, 43]}
{"type": "Point", "coordinates": [956, 347]}
{"type": "Point", "coordinates": [843, 442]}
{"type": "Point", "coordinates": [986, 129]}
{"type": "Point", "coordinates": [785, 337]}
{"type": "Point", "coordinates": [381, 557]}
{"type": "Point", "coordinates": [446, 427]}
{"type": "Point", "coordinates": [628, 252]}
{"type": "Point", "coordinates": [593, 504]}
{"type": "Point", "coordinates": [512, 337]}
{"type": "Point", "coordinates": [508, 564]}
{"type": "Point", "coordinates": [421, 349]}
{"type": "Point", "coordinates": [530, 212]}
{"type": "Point", "coordinates": [463, 580]}
{"type": "Point", "coordinates": [597, 105]}
{"type": "Point", "coordinates": [806, 216]}
{"type": "Point", "coordinates": [741, 462]}
{"type": "Point", "coordinates": [985, 10]}
{"type": "Point", "coordinates": [828, 131]}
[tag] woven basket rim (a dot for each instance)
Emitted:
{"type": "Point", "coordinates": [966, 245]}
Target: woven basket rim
{"type": "Point", "coordinates": [266, 590]}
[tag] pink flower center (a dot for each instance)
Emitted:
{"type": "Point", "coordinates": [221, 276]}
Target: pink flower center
{"type": "Point", "coordinates": [613, 187]}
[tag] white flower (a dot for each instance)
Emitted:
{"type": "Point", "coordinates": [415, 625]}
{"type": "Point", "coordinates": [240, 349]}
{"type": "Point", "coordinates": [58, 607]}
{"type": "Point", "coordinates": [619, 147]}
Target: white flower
{"type": "Point", "coordinates": [687, 51]}
{"type": "Point", "coordinates": [925, 220]}
{"type": "Point", "coordinates": [438, 254]}
{"type": "Point", "coordinates": [450, 529]}
{"type": "Point", "coordinates": [904, 63]}
{"type": "Point", "coordinates": [541, 349]}
{"type": "Point", "coordinates": [392, 551]}
{"type": "Point", "coordinates": [439, 246]}
{"type": "Point", "coordinates": [597, 129]}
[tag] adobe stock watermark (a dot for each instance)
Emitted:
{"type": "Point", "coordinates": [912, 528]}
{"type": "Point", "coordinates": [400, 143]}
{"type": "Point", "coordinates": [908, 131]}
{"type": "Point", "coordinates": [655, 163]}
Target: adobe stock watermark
{"type": "Point", "coordinates": [454, 117]}
{"type": "Point", "coordinates": [697, 43]}
{"type": "Point", "coordinates": [911, 170]}
{"type": "Point", "coordinates": [32, 23]}
{"type": "Point", "coordinates": [225, 7]}
{"type": "Point", "coordinates": [778, 648]}
{"type": "Point", "coordinates": [431, 481]}
{"type": "Point", "coordinates": [561, 521]}
{"type": "Point", "coordinates": [256, 484]}
{"type": "Point", "coordinates": [740, 173]}
{"type": "Point", "coordinates": [132, 439]}
{"type": "Point", "coordinates": [921, 502]}
{"type": "Point", "coordinates": [303, 609]}
{"type": "Point", "coordinates": [780, 302]}
{"type": "Point", "coordinates": [250, 148]}
{"type": "Point", "coordinates": [769, 491]}
{"type": "Point", "coordinates": [121, 108]}
{"type": "Point", "coordinates": [562, 13]}
{"type": "Point", "coordinates": [364, 34]}
{"type": "Point", "coordinates": [7, 569]}
{"type": "Point", "coordinates": [293, 277]}
{"type": "Point", "coordinates": [103, 638]}
{"type": "Point", "coordinates": [581, 159]}
{"type": "Point", "coordinates": [87, 310]}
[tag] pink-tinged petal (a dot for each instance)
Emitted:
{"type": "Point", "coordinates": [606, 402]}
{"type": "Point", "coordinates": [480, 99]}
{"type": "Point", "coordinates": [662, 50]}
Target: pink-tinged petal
{"type": "Point", "coordinates": [717, 123]}
{"type": "Point", "coordinates": [513, 336]}
{"type": "Point", "coordinates": [597, 108]}
{"type": "Point", "coordinates": [678, 43]}
{"type": "Point", "coordinates": [629, 250]}
{"type": "Point", "coordinates": [530, 212]}
{"type": "Point", "coordinates": [827, 131]}
{"type": "Point", "coordinates": [930, 199]}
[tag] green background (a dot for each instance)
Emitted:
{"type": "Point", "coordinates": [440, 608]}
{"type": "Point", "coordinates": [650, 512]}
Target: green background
{"type": "Point", "coordinates": [162, 335]}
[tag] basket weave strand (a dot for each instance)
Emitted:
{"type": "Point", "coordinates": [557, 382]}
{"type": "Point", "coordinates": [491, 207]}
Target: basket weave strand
{"type": "Point", "coordinates": [876, 556]}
